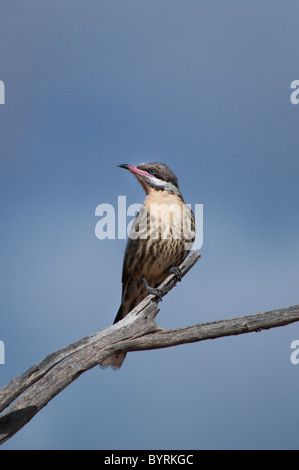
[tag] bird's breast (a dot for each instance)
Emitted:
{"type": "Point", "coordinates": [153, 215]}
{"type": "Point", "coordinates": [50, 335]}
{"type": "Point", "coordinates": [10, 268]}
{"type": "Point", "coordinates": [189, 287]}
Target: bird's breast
{"type": "Point", "coordinates": [159, 234]}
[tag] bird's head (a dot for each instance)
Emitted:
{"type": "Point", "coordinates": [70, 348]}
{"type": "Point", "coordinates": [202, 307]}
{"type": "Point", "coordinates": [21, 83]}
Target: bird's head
{"type": "Point", "coordinates": [154, 176]}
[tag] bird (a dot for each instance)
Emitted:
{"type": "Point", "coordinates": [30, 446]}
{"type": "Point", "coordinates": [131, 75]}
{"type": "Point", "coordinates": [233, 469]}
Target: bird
{"type": "Point", "coordinates": [161, 237]}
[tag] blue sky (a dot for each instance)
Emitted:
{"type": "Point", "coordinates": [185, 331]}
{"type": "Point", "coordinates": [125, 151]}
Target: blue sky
{"type": "Point", "coordinates": [203, 86]}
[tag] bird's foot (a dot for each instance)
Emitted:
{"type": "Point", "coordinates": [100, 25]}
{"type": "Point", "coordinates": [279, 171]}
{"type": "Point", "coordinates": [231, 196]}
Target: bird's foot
{"type": "Point", "coordinates": [177, 272]}
{"type": "Point", "coordinates": [153, 290]}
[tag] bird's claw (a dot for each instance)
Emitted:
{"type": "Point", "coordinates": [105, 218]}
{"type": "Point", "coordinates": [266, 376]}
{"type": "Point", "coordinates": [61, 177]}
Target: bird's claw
{"type": "Point", "coordinates": [153, 290]}
{"type": "Point", "coordinates": [177, 272]}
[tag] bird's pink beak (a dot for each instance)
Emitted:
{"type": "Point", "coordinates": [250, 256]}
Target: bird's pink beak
{"type": "Point", "coordinates": [135, 170]}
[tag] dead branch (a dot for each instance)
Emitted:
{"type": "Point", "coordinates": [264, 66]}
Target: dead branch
{"type": "Point", "coordinates": [25, 395]}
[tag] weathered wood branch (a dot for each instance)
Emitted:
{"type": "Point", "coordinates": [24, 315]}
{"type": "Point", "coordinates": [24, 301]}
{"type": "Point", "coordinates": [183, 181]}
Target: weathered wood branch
{"type": "Point", "coordinates": [25, 395]}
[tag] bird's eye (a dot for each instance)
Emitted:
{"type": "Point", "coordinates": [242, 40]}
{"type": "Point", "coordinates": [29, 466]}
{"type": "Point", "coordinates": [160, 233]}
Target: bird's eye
{"type": "Point", "coordinates": [152, 172]}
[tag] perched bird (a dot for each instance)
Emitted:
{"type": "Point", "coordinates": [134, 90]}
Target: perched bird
{"type": "Point", "coordinates": [161, 237]}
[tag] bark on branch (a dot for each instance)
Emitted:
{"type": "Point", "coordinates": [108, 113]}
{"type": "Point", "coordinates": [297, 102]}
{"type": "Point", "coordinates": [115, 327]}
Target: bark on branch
{"type": "Point", "coordinates": [25, 395]}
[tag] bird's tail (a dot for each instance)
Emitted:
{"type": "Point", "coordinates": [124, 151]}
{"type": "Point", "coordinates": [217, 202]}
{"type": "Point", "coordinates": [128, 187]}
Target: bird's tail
{"type": "Point", "coordinates": [116, 359]}
{"type": "Point", "coordinates": [120, 314]}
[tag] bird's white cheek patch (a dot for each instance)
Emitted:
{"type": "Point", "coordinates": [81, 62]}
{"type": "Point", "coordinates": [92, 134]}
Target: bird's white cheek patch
{"type": "Point", "coordinates": [156, 181]}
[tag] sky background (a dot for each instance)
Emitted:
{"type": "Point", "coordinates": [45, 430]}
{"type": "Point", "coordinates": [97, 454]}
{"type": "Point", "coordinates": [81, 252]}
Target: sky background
{"type": "Point", "coordinates": [203, 86]}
